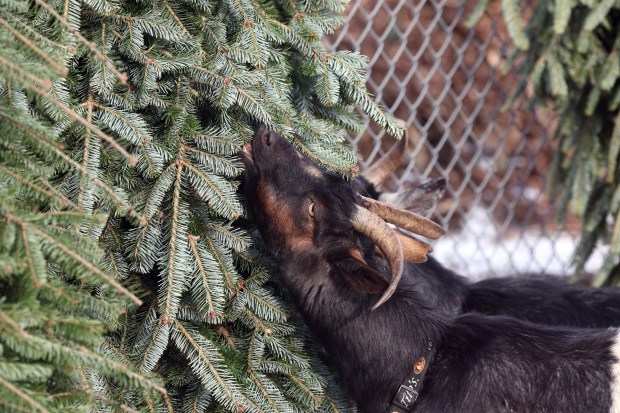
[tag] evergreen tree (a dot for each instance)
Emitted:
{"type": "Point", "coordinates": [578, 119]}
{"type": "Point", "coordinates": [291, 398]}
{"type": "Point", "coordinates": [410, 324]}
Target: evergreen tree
{"type": "Point", "coordinates": [127, 282]}
{"type": "Point", "coordinates": [569, 51]}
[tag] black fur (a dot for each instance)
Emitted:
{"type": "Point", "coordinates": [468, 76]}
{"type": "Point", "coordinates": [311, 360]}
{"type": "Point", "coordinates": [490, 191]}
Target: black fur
{"type": "Point", "coordinates": [546, 300]}
{"type": "Point", "coordinates": [482, 363]}
{"type": "Point", "coordinates": [540, 299]}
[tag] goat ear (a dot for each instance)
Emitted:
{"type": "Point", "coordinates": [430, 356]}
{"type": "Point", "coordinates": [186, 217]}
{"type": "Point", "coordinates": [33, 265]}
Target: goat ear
{"type": "Point", "coordinates": [420, 199]}
{"type": "Point", "coordinates": [356, 272]}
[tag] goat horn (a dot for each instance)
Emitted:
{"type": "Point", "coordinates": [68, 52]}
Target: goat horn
{"type": "Point", "coordinates": [369, 224]}
{"type": "Point", "coordinates": [380, 171]}
{"type": "Point", "coordinates": [414, 250]}
{"type": "Point", "coordinates": [404, 219]}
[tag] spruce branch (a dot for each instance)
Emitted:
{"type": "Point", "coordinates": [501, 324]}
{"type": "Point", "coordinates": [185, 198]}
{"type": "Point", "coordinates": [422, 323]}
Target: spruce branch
{"type": "Point", "coordinates": [95, 397]}
{"type": "Point", "coordinates": [26, 77]}
{"type": "Point", "coordinates": [573, 66]}
{"type": "Point", "coordinates": [175, 277]}
{"type": "Point", "coordinates": [22, 396]}
{"type": "Point", "coordinates": [75, 256]}
{"type": "Point", "coordinates": [100, 56]}
{"type": "Point", "coordinates": [207, 289]}
{"type": "Point", "coordinates": [39, 347]}
{"type": "Point", "coordinates": [60, 69]}
{"type": "Point", "coordinates": [51, 193]}
{"type": "Point", "coordinates": [512, 15]}
{"type": "Point", "coordinates": [37, 270]}
{"type": "Point", "coordinates": [225, 265]}
{"type": "Point", "coordinates": [86, 157]}
{"type": "Point", "coordinates": [202, 360]}
{"type": "Point", "coordinates": [213, 189]}
{"type": "Point", "coordinates": [57, 150]}
{"type": "Point", "coordinates": [199, 77]}
{"type": "Point", "coordinates": [313, 156]}
{"type": "Point", "coordinates": [68, 111]}
{"type": "Point", "coordinates": [176, 18]}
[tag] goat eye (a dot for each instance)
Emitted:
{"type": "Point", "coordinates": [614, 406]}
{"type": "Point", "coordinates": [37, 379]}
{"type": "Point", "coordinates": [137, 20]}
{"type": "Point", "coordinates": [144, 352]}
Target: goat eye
{"type": "Point", "coordinates": [311, 209]}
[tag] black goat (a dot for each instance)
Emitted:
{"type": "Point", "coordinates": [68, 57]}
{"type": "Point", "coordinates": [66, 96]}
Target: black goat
{"type": "Point", "coordinates": [314, 224]}
{"type": "Point", "coordinates": [540, 299]}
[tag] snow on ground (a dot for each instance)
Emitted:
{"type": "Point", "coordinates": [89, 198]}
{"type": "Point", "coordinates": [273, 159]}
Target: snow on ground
{"type": "Point", "coordinates": [479, 251]}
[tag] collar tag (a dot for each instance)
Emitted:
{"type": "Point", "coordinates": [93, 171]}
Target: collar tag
{"type": "Point", "coordinates": [408, 391]}
{"type": "Point", "coordinates": [405, 397]}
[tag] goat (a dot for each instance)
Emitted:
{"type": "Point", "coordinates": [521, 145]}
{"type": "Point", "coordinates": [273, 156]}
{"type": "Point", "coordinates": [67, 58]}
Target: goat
{"type": "Point", "coordinates": [323, 238]}
{"type": "Point", "coordinates": [549, 300]}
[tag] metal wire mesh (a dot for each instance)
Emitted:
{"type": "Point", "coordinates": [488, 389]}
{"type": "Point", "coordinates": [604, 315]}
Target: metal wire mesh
{"type": "Point", "coordinates": [448, 82]}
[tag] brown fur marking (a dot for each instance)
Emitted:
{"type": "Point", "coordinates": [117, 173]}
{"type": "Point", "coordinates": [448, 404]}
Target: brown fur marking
{"type": "Point", "coordinates": [297, 235]}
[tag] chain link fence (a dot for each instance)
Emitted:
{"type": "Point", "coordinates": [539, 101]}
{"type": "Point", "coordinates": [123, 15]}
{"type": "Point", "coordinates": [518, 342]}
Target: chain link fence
{"type": "Point", "coordinates": [450, 83]}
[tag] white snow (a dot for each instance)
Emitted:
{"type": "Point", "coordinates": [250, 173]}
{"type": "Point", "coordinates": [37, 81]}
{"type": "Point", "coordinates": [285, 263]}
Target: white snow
{"type": "Point", "coordinates": [479, 251]}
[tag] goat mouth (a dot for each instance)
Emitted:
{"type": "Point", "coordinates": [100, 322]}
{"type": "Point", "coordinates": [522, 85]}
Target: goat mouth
{"type": "Point", "coordinates": [249, 149]}
{"type": "Point", "coordinates": [247, 154]}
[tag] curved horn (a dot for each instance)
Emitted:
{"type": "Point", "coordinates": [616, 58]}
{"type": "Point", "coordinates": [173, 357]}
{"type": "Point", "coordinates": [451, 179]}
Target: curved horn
{"type": "Point", "coordinates": [404, 219]}
{"type": "Point", "coordinates": [414, 250]}
{"type": "Point", "coordinates": [369, 224]}
{"type": "Point", "coordinates": [379, 172]}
